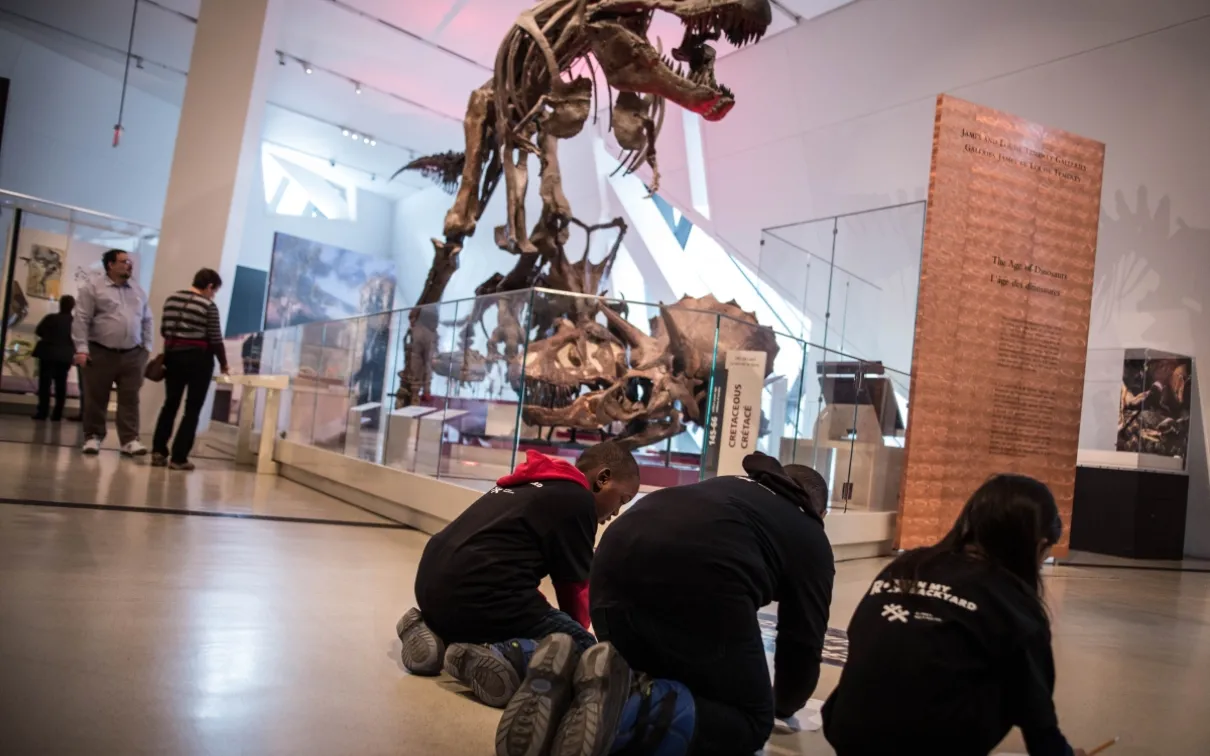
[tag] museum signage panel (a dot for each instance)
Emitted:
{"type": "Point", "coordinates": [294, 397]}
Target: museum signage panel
{"type": "Point", "coordinates": [734, 426]}
{"type": "Point", "coordinates": [1002, 322]}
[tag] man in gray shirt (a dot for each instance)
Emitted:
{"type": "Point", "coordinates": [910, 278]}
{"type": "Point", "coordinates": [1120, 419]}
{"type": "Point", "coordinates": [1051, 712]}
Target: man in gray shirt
{"type": "Point", "coordinates": [113, 333]}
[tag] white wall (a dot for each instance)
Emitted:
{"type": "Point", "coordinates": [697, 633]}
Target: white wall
{"type": "Point", "coordinates": [369, 233]}
{"type": "Point", "coordinates": [58, 135]}
{"type": "Point", "coordinates": [837, 116]}
{"type": "Point", "coordinates": [58, 146]}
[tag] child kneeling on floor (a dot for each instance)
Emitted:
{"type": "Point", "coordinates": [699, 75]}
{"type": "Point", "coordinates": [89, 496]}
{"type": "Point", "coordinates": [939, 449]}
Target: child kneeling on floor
{"type": "Point", "coordinates": [480, 613]}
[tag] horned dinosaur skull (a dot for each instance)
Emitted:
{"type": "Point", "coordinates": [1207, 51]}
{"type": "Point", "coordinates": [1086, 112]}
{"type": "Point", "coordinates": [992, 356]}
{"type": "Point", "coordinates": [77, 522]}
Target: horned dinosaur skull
{"type": "Point", "coordinates": [617, 31]}
{"type": "Point", "coordinates": [592, 376]}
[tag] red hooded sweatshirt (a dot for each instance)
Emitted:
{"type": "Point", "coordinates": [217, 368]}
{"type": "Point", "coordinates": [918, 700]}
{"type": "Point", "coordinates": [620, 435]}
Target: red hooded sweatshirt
{"type": "Point", "coordinates": [573, 597]}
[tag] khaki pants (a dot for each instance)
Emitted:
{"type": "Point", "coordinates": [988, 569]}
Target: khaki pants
{"type": "Point", "coordinates": [105, 368]}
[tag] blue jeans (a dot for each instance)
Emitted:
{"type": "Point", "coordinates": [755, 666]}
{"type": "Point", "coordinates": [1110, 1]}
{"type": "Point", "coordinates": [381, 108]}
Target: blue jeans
{"type": "Point", "coordinates": [729, 678]}
{"type": "Point", "coordinates": [556, 621]}
{"type": "Point", "coordinates": [460, 629]}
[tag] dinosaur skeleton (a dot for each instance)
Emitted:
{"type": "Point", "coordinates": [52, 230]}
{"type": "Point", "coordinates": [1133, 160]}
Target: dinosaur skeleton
{"type": "Point", "coordinates": [535, 98]}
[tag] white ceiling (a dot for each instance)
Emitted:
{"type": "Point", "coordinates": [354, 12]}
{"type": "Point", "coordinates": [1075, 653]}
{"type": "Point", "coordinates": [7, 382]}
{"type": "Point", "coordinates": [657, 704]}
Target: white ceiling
{"type": "Point", "coordinates": [441, 50]}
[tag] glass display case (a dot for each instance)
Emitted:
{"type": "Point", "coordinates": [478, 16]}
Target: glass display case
{"type": "Point", "coordinates": [1137, 410]}
{"type": "Point", "coordinates": [49, 250]}
{"type": "Point", "coordinates": [692, 387]}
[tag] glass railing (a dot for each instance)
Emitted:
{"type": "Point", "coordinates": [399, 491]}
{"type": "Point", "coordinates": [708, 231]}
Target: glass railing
{"type": "Point", "coordinates": [692, 387]}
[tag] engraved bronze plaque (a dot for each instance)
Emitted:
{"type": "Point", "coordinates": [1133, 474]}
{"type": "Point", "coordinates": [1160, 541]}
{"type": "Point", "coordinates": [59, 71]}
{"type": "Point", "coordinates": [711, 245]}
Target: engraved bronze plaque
{"type": "Point", "coordinates": [1002, 324]}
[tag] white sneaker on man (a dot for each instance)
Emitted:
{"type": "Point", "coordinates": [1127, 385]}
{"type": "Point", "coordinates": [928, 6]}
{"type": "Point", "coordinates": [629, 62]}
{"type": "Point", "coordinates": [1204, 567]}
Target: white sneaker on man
{"type": "Point", "coordinates": [133, 449]}
{"type": "Point", "coordinates": [92, 446]}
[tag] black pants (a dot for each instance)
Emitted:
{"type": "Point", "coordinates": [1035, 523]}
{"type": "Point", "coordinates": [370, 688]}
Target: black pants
{"type": "Point", "coordinates": [729, 678]}
{"type": "Point", "coordinates": [187, 372]}
{"type": "Point", "coordinates": [51, 372]}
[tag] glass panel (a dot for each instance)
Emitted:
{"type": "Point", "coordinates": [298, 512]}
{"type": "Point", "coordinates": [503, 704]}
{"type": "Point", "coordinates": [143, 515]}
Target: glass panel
{"type": "Point", "coordinates": [306, 383]}
{"type": "Point", "coordinates": [796, 261]}
{"type": "Point", "coordinates": [489, 349]}
{"type": "Point", "coordinates": [874, 285]}
{"type": "Point", "coordinates": [368, 387]}
{"type": "Point", "coordinates": [415, 434]}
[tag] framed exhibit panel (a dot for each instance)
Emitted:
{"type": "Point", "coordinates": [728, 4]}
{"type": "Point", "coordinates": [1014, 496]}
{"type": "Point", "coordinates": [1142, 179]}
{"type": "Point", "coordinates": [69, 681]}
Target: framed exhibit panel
{"type": "Point", "coordinates": [311, 282]}
{"type": "Point", "coordinates": [1004, 303]}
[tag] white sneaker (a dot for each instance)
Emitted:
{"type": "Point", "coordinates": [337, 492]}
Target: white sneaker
{"type": "Point", "coordinates": [133, 449]}
{"type": "Point", "coordinates": [92, 446]}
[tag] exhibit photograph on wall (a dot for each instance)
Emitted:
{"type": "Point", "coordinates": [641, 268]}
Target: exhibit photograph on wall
{"type": "Point", "coordinates": [43, 271]}
{"type": "Point", "coordinates": [1153, 416]}
{"type": "Point", "coordinates": [311, 282]}
{"type": "Point", "coordinates": [38, 282]}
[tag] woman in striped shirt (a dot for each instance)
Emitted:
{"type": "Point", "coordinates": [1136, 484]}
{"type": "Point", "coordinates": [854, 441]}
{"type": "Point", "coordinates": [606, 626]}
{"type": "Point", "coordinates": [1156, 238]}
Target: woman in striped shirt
{"type": "Point", "coordinates": [193, 338]}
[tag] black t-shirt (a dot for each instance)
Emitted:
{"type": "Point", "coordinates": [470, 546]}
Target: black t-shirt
{"type": "Point", "coordinates": [706, 556]}
{"type": "Point", "coordinates": [947, 669]}
{"type": "Point", "coordinates": [479, 576]}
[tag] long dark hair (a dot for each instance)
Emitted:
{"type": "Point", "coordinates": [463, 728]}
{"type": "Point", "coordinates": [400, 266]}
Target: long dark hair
{"type": "Point", "coordinates": [1005, 522]}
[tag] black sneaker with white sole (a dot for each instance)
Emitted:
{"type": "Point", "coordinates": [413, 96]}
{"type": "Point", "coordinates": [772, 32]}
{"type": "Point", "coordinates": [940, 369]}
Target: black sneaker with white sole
{"type": "Point", "coordinates": [532, 716]}
{"type": "Point", "coordinates": [423, 652]}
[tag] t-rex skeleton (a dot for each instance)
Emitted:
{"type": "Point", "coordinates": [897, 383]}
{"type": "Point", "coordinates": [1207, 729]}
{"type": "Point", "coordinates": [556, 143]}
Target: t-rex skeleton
{"type": "Point", "coordinates": [534, 99]}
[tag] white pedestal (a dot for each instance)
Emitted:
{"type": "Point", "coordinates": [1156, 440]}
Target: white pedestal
{"type": "Point", "coordinates": [403, 427]}
{"type": "Point", "coordinates": [353, 426]}
{"type": "Point", "coordinates": [272, 385]}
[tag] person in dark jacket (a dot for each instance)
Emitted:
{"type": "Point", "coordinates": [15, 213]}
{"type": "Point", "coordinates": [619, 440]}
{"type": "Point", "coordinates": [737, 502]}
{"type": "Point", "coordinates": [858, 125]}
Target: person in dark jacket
{"type": "Point", "coordinates": [950, 648]}
{"type": "Point", "coordinates": [54, 352]}
{"type": "Point", "coordinates": [676, 585]}
{"type": "Point", "coordinates": [477, 582]}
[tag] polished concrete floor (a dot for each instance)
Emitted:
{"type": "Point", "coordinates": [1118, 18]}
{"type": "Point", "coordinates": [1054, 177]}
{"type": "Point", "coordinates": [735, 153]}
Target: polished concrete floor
{"type": "Point", "coordinates": [134, 631]}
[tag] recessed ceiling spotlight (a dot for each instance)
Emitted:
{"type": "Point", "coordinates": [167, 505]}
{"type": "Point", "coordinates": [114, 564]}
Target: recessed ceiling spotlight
{"type": "Point", "coordinates": [357, 86]}
{"type": "Point", "coordinates": [355, 137]}
{"type": "Point", "coordinates": [366, 140]}
{"type": "Point", "coordinates": [307, 67]}
{"type": "Point", "coordinates": [373, 143]}
{"type": "Point", "coordinates": [344, 132]}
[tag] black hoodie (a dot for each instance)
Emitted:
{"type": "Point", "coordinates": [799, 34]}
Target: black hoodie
{"type": "Point", "coordinates": [712, 553]}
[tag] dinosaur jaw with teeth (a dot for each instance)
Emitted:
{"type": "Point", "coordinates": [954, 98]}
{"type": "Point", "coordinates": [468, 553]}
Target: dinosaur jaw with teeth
{"type": "Point", "coordinates": [685, 76]}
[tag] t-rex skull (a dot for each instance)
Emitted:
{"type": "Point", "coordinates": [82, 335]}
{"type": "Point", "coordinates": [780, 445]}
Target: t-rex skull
{"type": "Point", "coordinates": [617, 30]}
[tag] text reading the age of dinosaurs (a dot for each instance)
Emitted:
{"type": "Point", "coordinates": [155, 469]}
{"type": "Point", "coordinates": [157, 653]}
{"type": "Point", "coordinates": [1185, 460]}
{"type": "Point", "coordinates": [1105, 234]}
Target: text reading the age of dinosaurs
{"type": "Point", "coordinates": [997, 148]}
{"type": "Point", "coordinates": [1015, 266]}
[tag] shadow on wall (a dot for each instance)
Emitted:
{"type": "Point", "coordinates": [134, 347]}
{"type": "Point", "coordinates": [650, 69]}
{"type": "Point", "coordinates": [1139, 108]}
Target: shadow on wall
{"type": "Point", "coordinates": [1150, 291]}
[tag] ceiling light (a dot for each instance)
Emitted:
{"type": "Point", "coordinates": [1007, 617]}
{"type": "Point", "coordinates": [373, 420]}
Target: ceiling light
{"type": "Point", "coordinates": [358, 87]}
{"type": "Point", "coordinates": [366, 140]}
{"type": "Point", "coordinates": [344, 132]}
{"type": "Point", "coordinates": [373, 143]}
{"type": "Point", "coordinates": [355, 137]}
{"type": "Point", "coordinates": [307, 67]}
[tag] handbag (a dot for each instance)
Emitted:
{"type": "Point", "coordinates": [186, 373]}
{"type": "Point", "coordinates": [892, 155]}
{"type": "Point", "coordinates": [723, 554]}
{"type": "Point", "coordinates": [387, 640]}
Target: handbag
{"type": "Point", "coordinates": [154, 371]}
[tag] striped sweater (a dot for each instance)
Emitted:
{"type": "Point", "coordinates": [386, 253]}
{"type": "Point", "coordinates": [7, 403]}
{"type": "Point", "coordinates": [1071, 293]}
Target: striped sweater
{"type": "Point", "coordinates": [190, 321]}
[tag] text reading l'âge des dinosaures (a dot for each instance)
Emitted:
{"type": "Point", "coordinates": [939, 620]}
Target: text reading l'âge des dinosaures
{"type": "Point", "coordinates": [1031, 268]}
{"type": "Point", "coordinates": [997, 148]}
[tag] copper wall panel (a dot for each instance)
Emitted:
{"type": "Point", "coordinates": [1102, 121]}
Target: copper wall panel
{"type": "Point", "coordinates": [1002, 325]}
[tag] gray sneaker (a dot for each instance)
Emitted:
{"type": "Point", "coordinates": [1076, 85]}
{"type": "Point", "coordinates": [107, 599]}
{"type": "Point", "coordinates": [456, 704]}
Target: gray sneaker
{"type": "Point", "coordinates": [92, 446]}
{"type": "Point", "coordinates": [532, 716]}
{"type": "Point", "coordinates": [423, 652]}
